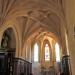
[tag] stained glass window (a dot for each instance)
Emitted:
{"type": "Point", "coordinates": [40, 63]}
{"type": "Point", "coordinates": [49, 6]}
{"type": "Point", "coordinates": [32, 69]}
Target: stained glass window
{"type": "Point", "coordinates": [47, 53]}
{"type": "Point", "coordinates": [57, 50]}
{"type": "Point", "coordinates": [36, 52]}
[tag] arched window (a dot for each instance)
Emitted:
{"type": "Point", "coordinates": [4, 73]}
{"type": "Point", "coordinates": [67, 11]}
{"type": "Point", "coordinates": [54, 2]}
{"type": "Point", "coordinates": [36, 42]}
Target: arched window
{"type": "Point", "coordinates": [47, 53]}
{"type": "Point", "coordinates": [36, 52]}
{"type": "Point", "coordinates": [57, 50]}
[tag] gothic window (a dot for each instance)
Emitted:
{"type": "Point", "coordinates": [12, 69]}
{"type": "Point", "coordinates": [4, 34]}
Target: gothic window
{"type": "Point", "coordinates": [47, 53]}
{"type": "Point", "coordinates": [57, 50]}
{"type": "Point", "coordinates": [36, 52]}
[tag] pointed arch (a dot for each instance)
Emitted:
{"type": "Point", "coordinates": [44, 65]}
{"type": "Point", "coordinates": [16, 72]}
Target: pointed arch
{"type": "Point", "coordinates": [36, 52]}
{"type": "Point", "coordinates": [47, 52]}
{"type": "Point", "coordinates": [57, 51]}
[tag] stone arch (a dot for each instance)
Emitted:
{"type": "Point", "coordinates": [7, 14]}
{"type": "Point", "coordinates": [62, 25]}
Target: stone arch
{"type": "Point", "coordinates": [4, 28]}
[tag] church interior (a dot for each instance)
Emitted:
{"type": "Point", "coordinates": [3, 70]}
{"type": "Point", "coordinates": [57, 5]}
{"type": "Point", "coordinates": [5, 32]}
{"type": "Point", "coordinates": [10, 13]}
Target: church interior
{"type": "Point", "coordinates": [37, 37]}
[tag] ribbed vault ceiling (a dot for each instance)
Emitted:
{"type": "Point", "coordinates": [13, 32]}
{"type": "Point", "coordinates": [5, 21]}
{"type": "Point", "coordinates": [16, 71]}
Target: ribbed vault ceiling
{"type": "Point", "coordinates": [34, 16]}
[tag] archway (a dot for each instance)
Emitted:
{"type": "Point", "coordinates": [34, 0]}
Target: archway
{"type": "Point", "coordinates": [8, 39]}
{"type": "Point", "coordinates": [7, 52]}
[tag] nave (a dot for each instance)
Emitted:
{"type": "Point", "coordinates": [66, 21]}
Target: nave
{"type": "Point", "coordinates": [46, 57]}
{"type": "Point", "coordinates": [22, 67]}
{"type": "Point", "coordinates": [37, 37]}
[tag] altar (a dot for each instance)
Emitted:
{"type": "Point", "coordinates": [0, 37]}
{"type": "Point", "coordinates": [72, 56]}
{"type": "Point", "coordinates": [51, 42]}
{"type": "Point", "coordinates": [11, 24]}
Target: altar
{"type": "Point", "coordinates": [50, 71]}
